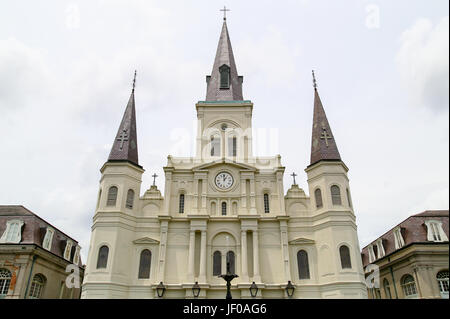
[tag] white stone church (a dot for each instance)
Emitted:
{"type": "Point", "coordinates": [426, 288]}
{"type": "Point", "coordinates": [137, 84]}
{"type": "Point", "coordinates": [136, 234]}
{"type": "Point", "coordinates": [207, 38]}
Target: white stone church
{"type": "Point", "coordinates": [224, 207]}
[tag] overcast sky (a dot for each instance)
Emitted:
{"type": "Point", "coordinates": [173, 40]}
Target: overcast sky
{"type": "Point", "coordinates": [382, 68]}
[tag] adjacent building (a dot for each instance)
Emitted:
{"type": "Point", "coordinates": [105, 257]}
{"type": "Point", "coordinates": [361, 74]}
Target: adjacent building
{"type": "Point", "coordinates": [224, 209]}
{"type": "Point", "coordinates": [34, 256]}
{"type": "Point", "coordinates": [412, 258]}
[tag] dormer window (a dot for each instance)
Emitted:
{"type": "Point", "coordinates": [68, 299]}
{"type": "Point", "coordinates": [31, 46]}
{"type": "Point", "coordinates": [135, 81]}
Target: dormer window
{"type": "Point", "coordinates": [371, 254]}
{"type": "Point", "coordinates": [13, 232]}
{"type": "Point", "coordinates": [435, 231]}
{"type": "Point", "coordinates": [380, 248]}
{"type": "Point", "coordinates": [399, 241]}
{"type": "Point", "coordinates": [47, 242]}
{"type": "Point", "coordinates": [224, 76]}
{"type": "Point", "coordinates": [68, 250]}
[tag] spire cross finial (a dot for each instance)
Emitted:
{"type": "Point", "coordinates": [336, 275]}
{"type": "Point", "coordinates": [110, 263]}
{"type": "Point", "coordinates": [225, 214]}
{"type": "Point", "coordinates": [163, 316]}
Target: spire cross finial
{"type": "Point", "coordinates": [314, 80]}
{"type": "Point", "coordinates": [293, 175]}
{"type": "Point", "coordinates": [325, 136]}
{"type": "Point", "coordinates": [225, 12]}
{"type": "Point", "coordinates": [134, 80]}
{"type": "Point", "coordinates": [154, 179]}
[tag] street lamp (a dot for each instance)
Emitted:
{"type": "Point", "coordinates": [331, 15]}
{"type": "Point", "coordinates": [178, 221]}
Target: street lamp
{"type": "Point", "coordinates": [196, 289]}
{"type": "Point", "coordinates": [160, 289]}
{"type": "Point", "coordinates": [290, 289]}
{"type": "Point", "coordinates": [253, 289]}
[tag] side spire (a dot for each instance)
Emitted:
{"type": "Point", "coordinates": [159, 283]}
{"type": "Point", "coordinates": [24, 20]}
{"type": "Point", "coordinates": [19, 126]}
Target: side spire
{"type": "Point", "coordinates": [323, 144]}
{"type": "Point", "coordinates": [125, 144]}
{"type": "Point", "coordinates": [224, 83]}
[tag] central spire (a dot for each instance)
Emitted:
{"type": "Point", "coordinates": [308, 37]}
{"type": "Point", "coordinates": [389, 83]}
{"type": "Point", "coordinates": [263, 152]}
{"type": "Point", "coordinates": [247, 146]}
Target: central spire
{"type": "Point", "coordinates": [224, 83]}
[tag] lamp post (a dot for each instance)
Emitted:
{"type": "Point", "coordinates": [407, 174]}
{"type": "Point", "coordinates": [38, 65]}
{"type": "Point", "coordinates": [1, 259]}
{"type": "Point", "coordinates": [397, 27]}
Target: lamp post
{"type": "Point", "coordinates": [160, 289]}
{"type": "Point", "coordinates": [253, 290]}
{"type": "Point", "coordinates": [228, 277]}
{"type": "Point", "coordinates": [196, 290]}
{"type": "Point", "coordinates": [290, 289]}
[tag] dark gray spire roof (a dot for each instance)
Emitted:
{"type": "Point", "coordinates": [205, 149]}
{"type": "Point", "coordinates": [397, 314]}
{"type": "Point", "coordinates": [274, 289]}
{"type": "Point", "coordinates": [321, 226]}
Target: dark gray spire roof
{"type": "Point", "coordinates": [125, 144]}
{"type": "Point", "coordinates": [323, 144]}
{"type": "Point", "coordinates": [225, 56]}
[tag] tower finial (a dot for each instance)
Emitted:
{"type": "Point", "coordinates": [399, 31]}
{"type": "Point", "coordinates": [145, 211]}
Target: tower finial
{"type": "Point", "coordinates": [225, 12]}
{"type": "Point", "coordinates": [314, 80]}
{"type": "Point", "coordinates": [134, 81]}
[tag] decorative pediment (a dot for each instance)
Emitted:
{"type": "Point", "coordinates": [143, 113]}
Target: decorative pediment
{"type": "Point", "coordinates": [146, 241]}
{"type": "Point", "coordinates": [302, 241]}
{"type": "Point", "coordinates": [224, 161]}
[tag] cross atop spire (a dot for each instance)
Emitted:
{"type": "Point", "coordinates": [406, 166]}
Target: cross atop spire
{"type": "Point", "coordinates": [224, 12]}
{"type": "Point", "coordinates": [314, 80]}
{"type": "Point", "coordinates": [134, 81]}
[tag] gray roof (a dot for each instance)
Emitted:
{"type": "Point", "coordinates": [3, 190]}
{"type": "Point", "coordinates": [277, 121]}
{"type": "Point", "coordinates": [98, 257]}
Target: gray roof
{"type": "Point", "coordinates": [225, 56]}
{"type": "Point", "coordinates": [323, 144]}
{"type": "Point", "coordinates": [125, 144]}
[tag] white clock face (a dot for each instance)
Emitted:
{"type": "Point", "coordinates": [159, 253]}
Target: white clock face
{"type": "Point", "coordinates": [224, 180]}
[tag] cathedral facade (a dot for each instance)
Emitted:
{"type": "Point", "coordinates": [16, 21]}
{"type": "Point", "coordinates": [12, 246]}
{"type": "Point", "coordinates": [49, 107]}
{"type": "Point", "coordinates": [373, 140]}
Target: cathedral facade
{"type": "Point", "coordinates": [224, 210]}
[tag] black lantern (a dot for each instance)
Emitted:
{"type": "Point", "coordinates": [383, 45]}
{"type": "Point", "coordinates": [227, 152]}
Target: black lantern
{"type": "Point", "coordinates": [160, 289]}
{"type": "Point", "coordinates": [253, 289]}
{"type": "Point", "coordinates": [196, 289]}
{"type": "Point", "coordinates": [290, 289]}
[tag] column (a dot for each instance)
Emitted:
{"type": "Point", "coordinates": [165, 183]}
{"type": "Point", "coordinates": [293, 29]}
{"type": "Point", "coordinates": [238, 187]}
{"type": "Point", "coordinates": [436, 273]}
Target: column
{"type": "Point", "coordinates": [285, 249]}
{"type": "Point", "coordinates": [252, 196]}
{"type": "Point", "coordinates": [191, 261]}
{"type": "Point", "coordinates": [202, 275]}
{"type": "Point", "coordinates": [162, 249]}
{"type": "Point", "coordinates": [195, 195]}
{"type": "Point", "coordinates": [244, 255]}
{"type": "Point", "coordinates": [281, 193]}
{"type": "Point", "coordinates": [204, 190]}
{"type": "Point", "coordinates": [256, 275]}
{"type": "Point", "coordinates": [243, 195]}
{"type": "Point", "coordinates": [167, 192]}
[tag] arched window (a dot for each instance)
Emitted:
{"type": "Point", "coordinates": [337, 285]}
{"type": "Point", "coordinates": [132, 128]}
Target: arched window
{"type": "Point", "coordinates": [37, 286]}
{"type": "Point", "coordinates": [5, 280]}
{"type": "Point", "coordinates": [266, 204]}
{"type": "Point", "coordinates": [349, 199]}
{"type": "Point", "coordinates": [232, 146]}
{"type": "Point", "coordinates": [217, 263]}
{"type": "Point", "coordinates": [230, 259]}
{"type": "Point", "coordinates": [102, 259]}
{"type": "Point", "coordinates": [303, 264]}
{"type": "Point", "coordinates": [344, 252]}
{"type": "Point", "coordinates": [224, 76]}
{"type": "Point", "coordinates": [318, 196]}
{"type": "Point", "coordinates": [112, 196]}
{"type": "Point", "coordinates": [144, 264]}
{"type": "Point", "coordinates": [215, 146]}
{"type": "Point", "coordinates": [224, 208]}
{"type": "Point", "coordinates": [387, 289]}
{"type": "Point", "coordinates": [409, 286]}
{"type": "Point", "coordinates": [181, 204]}
{"type": "Point", "coordinates": [336, 195]}
{"type": "Point", "coordinates": [442, 278]}
{"type": "Point", "coordinates": [130, 199]}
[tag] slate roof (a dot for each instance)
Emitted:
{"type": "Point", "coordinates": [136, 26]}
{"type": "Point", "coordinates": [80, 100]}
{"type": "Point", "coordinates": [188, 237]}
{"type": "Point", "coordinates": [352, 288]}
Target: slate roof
{"type": "Point", "coordinates": [34, 229]}
{"type": "Point", "coordinates": [322, 148]}
{"type": "Point", "coordinates": [413, 230]}
{"type": "Point", "coordinates": [125, 147]}
{"type": "Point", "coordinates": [224, 55]}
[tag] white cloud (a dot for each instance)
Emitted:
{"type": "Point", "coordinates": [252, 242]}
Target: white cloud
{"type": "Point", "coordinates": [423, 63]}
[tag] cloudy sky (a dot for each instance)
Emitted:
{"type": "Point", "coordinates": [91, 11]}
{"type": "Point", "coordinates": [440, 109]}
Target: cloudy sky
{"type": "Point", "coordinates": [382, 67]}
